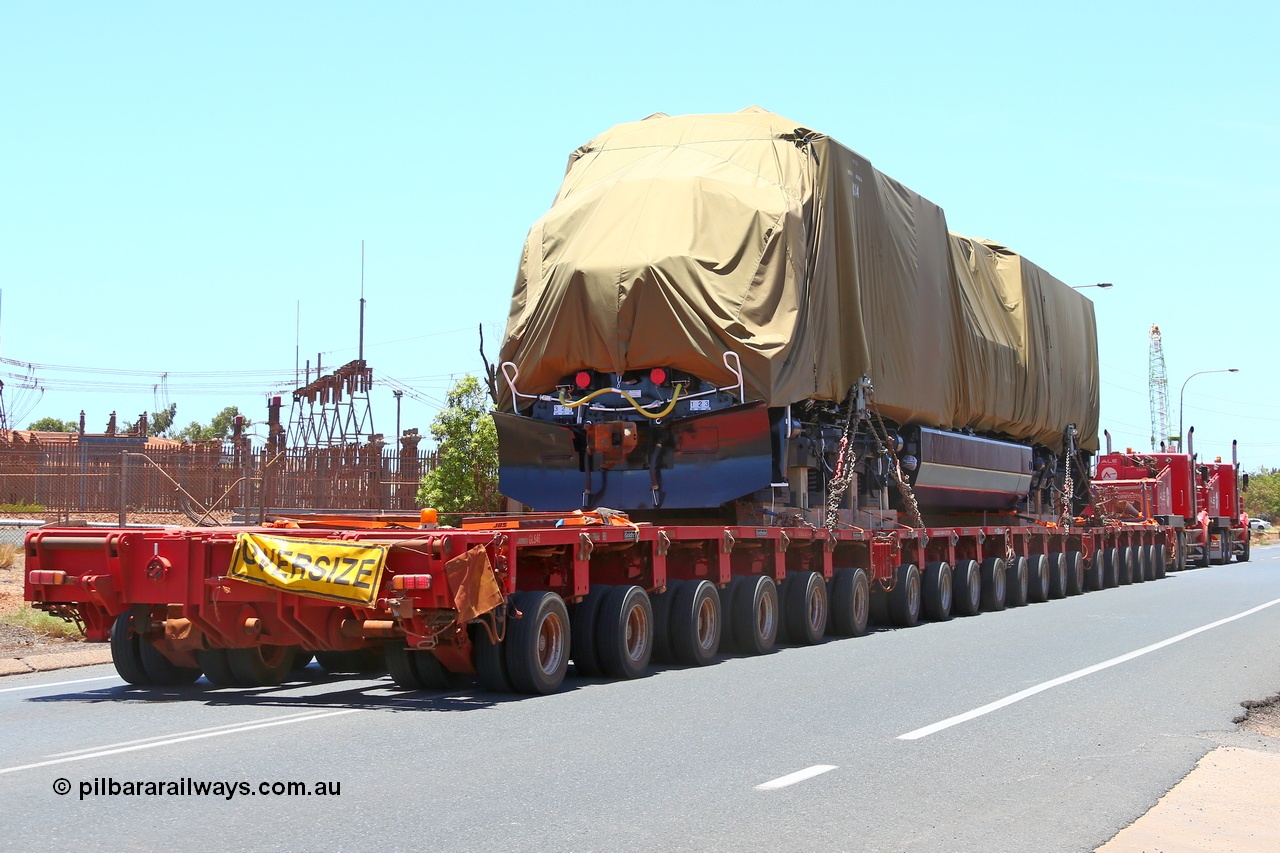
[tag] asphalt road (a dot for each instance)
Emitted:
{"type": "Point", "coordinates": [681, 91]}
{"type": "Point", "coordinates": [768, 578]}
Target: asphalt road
{"type": "Point", "coordinates": [1074, 737]}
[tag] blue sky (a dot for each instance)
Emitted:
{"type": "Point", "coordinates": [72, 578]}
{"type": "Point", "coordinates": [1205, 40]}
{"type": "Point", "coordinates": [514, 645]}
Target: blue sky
{"type": "Point", "coordinates": [177, 178]}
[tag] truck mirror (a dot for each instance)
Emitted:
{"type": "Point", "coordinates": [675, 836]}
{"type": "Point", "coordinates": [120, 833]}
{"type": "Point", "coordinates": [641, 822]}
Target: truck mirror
{"type": "Point", "coordinates": [1244, 482]}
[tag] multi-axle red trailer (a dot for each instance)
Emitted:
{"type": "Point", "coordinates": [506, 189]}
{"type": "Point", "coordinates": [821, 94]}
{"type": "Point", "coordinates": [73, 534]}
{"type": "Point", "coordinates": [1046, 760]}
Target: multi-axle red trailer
{"type": "Point", "coordinates": [513, 600]}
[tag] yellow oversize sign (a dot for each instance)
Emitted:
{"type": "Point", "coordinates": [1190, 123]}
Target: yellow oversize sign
{"type": "Point", "coordinates": [349, 572]}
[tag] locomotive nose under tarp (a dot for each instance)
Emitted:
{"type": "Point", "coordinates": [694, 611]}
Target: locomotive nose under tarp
{"type": "Point", "coordinates": [698, 461]}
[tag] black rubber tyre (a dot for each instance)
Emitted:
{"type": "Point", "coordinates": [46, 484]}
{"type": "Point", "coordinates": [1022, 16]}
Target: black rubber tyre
{"type": "Point", "coordinates": [936, 591]}
{"type": "Point", "coordinates": [1124, 565]}
{"type": "Point", "coordinates": [624, 632]}
{"type": "Point", "coordinates": [261, 666]}
{"type": "Point", "coordinates": [1158, 557]}
{"type": "Point", "coordinates": [1248, 541]}
{"type": "Point", "coordinates": [1138, 557]}
{"type": "Point", "coordinates": [755, 615]}
{"type": "Point", "coordinates": [1016, 583]}
{"type": "Point", "coordinates": [1148, 562]}
{"type": "Point", "coordinates": [1077, 576]}
{"type": "Point", "coordinates": [538, 642]}
{"type": "Point", "coordinates": [161, 670]}
{"type": "Point", "coordinates": [490, 659]}
{"type": "Point", "coordinates": [1099, 570]}
{"type": "Point", "coordinates": [217, 669]}
{"type": "Point", "coordinates": [697, 623]}
{"type": "Point", "coordinates": [967, 600]}
{"type": "Point", "coordinates": [1180, 552]}
{"type": "Point", "coordinates": [850, 602]}
{"type": "Point", "coordinates": [126, 653]}
{"type": "Point", "coordinates": [1038, 578]}
{"type": "Point", "coordinates": [400, 664]}
{"type": "Point", "coordinates": [804, 608]}
{"type": "Point", "coordinates": [1058, 575]}
{"type": "Point", "coordinates": [994, 587]}
{"type": "Point", "coordinates": [582, 632]}
{"type": "Point", "coordinates": [367, 661]}
{"type": "Point", "coordinates": [1110, 567]}
{"type": "Point", "coordinates": [904, 598]}
{"type": "Point", "coordinates": [662, 603]}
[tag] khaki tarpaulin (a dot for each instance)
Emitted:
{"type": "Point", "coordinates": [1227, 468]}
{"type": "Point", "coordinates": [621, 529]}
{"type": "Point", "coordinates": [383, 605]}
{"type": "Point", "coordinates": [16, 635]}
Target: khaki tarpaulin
{"type": "Point", "coordinates": [676, 239]}
{"type": "Point", "coordinates": [475, 588]}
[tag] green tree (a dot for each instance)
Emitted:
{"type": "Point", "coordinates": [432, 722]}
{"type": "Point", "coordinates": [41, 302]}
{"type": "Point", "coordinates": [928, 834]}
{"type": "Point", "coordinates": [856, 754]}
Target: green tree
{"type": "Point", "coordinates": [161, 422]}
{"type": "Point", "coordinates": [220, 427]}
{"type": "Point", "coordinates": [1262, 499]}
{"type": "Point", "coordinates": [54, 425]}
{"type": "Point", "coordinates": [465, 478]}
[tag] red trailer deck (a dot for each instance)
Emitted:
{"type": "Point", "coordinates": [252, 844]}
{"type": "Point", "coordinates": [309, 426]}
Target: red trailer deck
{"type": "Point", "coordinates": [513, 600]}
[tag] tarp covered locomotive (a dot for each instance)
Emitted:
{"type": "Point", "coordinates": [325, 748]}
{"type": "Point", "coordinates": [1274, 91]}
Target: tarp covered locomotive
{"type": "Point", "coordinates": [707, 289]}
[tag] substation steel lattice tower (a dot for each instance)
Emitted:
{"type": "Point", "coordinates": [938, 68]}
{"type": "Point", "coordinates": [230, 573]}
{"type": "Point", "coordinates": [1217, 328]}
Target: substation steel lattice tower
{"type": "Point", "coordinates": [1159, 383]}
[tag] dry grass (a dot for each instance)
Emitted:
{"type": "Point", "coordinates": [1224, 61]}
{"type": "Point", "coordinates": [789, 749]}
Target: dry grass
{"type": "Point", "coordinates": [9, 556]}
{"type": "Point", "coordinates": [41, 623]}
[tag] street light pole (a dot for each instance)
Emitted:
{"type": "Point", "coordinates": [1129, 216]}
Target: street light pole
{"type": "Point", "coordinates": [1184, 391]}
{"type": "Point", "coordinates": [398, 395]}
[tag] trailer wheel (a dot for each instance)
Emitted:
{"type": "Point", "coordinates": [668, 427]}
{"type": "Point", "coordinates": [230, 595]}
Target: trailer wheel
{"type": "Point", "coordinates": [850, 602]}
{"type": "Point", "coordinates": [697, 623]}
{"type": "Point", "coordinates": [1093, 575]}
{"type": "Point", "coordinates": [1124, 565]}
{"type": "Point", "coordinates": [754, 623]}
{"type": "Point", "coordinates": [994, 587]}
{"type": "Point", "coordinates": [1016, 582]}
{"type": "Point", "coordinates": [1244, 552]}
{"type": "Point", "coordinates": [1076, 575]}
{"type": "Point", "coordinates": [662, 603]}
{"type": "Point", "coordinates": [367, 661]}
{"type": "Point", "coordinates": [1058, 574]}
{"type": "Point", "coordinates": [1152, 553]}
{"type": "Point", "coordinates": [582, 632]}
{"type": "Point", "coordinates": [1141, 571]}
{"type": "Point", "coordinates": [804, 607]}
{"type": "Point", "coordinates": [624, 634]}
{"type": "Point", "coordinates": [1159, 557]}
{"type": "Point", "coordinates": [904, 598]}
{"type": "Point", "coordinates": [1225, 538]}
{"type": "Point", "coordinates": [399, 664]}
{"type": "Point", "coordinates": [968, 588]}
{"type": "Point", "coordinates": [162, 671]}
{"type": "Point", "coordinates": [217, 669]}
{"type": "Point", "coordinates": [126, 654]}
{"type": "Point", "coordinates": [261, 666]}
{"type": "Point", "coordinates": [409, 668]}
{"type": "Point", "coordinates": [538, 642]}
{"type": "Point", "coordinates": [1110, 568]}
{"type": "Point", "coordinates": [1180, 552]}
{"type": "Point", "coordinates": [936, 589]}
{"type": "Point", "coordinates": [1038, 578]}
{"type": "Point", "coordinates": [490, 659]}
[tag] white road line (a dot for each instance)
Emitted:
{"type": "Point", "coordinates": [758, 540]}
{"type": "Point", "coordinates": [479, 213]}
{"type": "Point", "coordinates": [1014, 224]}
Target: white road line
{"type": "Point", "coordinates": [798, 776]}
{"type": "Point", "coordinates": [1072, 676]}
{"type": "Point", "coordinates": [58, 683]}
{"type": "Point", "coordinates": [182, 738]}
{"type": "Point", "coordinates": [240, 724]}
